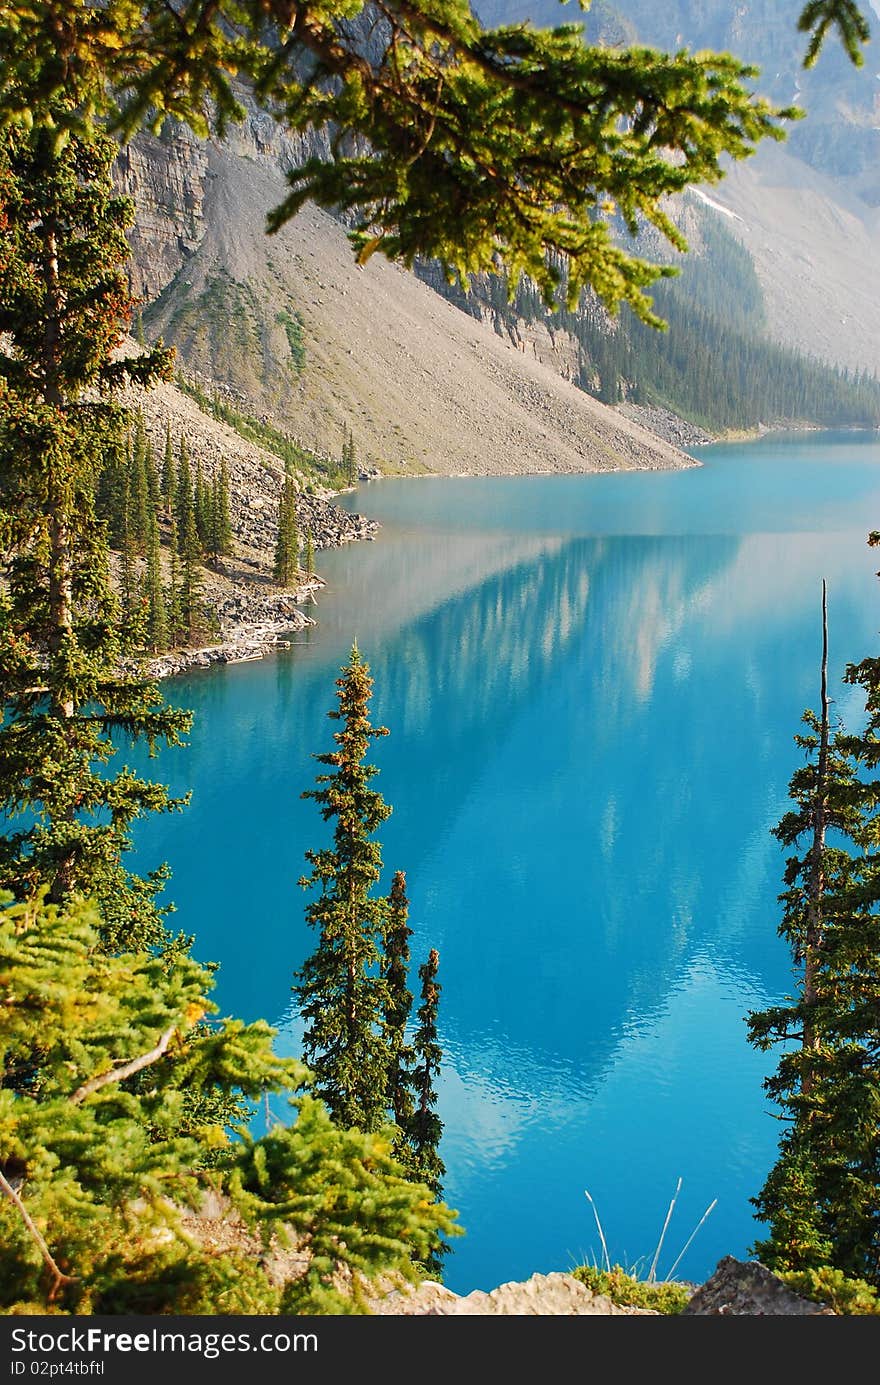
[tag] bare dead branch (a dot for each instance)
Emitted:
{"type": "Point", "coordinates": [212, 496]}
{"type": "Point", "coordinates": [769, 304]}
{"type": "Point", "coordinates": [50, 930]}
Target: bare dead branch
{"type": "Point", "coordinates": [119, 1074]}
{"type": "Point", "coordinates": [59, 1279]}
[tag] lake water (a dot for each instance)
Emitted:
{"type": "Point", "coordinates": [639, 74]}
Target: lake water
{"type": "Point", "coordinates": [592, 685]}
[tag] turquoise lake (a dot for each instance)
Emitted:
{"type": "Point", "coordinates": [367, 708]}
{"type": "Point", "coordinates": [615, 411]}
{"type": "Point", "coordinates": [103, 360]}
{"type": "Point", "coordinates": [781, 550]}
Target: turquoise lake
{"type": "Point", "coordinates": [592, 686]}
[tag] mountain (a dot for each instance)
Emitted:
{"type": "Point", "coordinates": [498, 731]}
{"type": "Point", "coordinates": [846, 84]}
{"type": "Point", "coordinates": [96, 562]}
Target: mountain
{"type": "Point", "coordinates": [295, 336]}
{"type": "Point", "coordinates": [808, 212]}
{"type": "Point", "coordinates": [300, 337]}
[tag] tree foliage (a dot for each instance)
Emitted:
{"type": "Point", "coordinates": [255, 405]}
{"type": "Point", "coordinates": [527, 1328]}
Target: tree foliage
{"type": "Point", "coordinates": [821, 1200]}
{"type": "Point", "coordinates": [68, 700]}
{"type": "Point", "coordinates": [286, 564]}
{"type": "Point", "coordinates": [102, 1152]}
{"type": "Point", "coordinates": [448, 140]}
{"type": "Point", "coordinates": [352, 990]}
{"type": "Point", "coordinates": [341, 993]}
{"type": "Point", "coordinates": [398, 1003]}
{"type": "Point", "coordinates": [818, 17]}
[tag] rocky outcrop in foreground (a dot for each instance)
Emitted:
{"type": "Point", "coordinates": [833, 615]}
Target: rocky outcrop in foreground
{"type": "Point", "coordinates": [738, 1288]}
{"type": "Point", "coordinates": [741, 1288]}
{"type": "Point", "coordinates": [544, 1295]}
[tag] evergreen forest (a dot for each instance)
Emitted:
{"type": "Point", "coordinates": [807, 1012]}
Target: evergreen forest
{"type": "Point", "coordinates": [713, 365]}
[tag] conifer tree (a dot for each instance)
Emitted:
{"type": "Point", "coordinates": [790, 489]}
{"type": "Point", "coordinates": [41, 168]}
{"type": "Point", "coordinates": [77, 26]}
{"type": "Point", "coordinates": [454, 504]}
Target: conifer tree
{"type": "Point", "coordinates": [425, 1126]}
{"type": "Point", "coordinates": [309, 556]}
{"type": "Point", "coordinates": [124, 1042]}
{"type": "Point", "coordinates": [341, 993]}
{"type": "Point", "coordinates": [154, 492]}
{"type": "Point", "coordinates": [191, 613]}
{"type": "Point", "coordinates": [176, 633]}
{"type": "Point", "coordinates": [111, 494]}
{"type": "Point", "coordinates": [139, 489]}
{"type": "Point", "coordinates": [157, 619]}
{"type": "Point", "coordinates": [349, 459]}
{"type": "Point", "coordinates": [395, 969]}
{"type": "Point", "coordinates": [221, 525]}
{"type": "Point", "coordinates": [185, 502]}
{"type": "Point", "coordinates": [286, 566]}
{"type": "Point", "coordinates": [202, 508]}
{"type": "Point", "coordinates": [63, 305]}
{"type": "Point", "coordinates": [821, 1200]}
{"type": "Point", "coordinates": [122, 535]}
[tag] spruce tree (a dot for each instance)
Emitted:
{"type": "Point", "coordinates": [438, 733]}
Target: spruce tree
{"type": "Point", "coordinates": [127, 548]}
{"type": "Point", "coordinates": [221, 524]}
{"type": "Point", "coordinates": [184, 499]}
{"type": "Point", "coordinates": [176, 634]}
{"type": "Point", "coordinates": [349, 459]}
{"type": "Point", "coordinates": [425, 1127]}
{"type": "Point", "coordinates": [821, 1200]}
{"type": "Point", "coordinates": [191, 609]}
{"type": "Point", "coordinates": [309, 556]}
{"type": "Point", "coordinates": [63, 305]}
{"type": "Point", "coordinates": [398, 1005]}
{"type": "Point", "coordinates": [139, 489]}
{"type": "Point", "coordinates": [342, 996]}
{"type": "Point", "coordinates": [154, 491]}
{"type": "Point", "coordinates": [157, 618]}
{"type": "Point", "coordinates": [111, 494]}
{"type": "Point", "coordinates": [286, 565]}
{"type": "Point", "coordinates": [202, 509]}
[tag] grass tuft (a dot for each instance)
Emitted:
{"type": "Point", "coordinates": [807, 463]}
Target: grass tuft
{"type": "Point", "coordinates": [628, 1292]}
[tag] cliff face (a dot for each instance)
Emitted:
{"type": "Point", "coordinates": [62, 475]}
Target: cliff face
{"type": "Point", "coordinates": [166, 178]}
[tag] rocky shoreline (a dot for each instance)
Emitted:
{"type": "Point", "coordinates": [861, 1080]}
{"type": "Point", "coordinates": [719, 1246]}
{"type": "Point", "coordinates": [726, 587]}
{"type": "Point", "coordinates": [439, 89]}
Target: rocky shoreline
{"type": "Point", "coordinates": [251, 626]}
{"type": "Point", "coordinates": [253, 614]}
{"type": "Point", "coordinates": [666, 425]}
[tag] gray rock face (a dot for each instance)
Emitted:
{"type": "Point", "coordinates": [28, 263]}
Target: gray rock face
{"type": "Point", "coordinates": [739, 1288]}
{"type": "Point", "coordinates": [166, 177]}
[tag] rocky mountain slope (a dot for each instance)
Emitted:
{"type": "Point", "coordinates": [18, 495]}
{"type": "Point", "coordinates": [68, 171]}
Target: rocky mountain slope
{"type": "Point", "coordinates": [815, 245]}
{"type": "Point", "coordinates": [318, 346]}
{"type": "Point", "coordinates": [301, 335]}
{"type": "Point", "coordinates": [808, 211]}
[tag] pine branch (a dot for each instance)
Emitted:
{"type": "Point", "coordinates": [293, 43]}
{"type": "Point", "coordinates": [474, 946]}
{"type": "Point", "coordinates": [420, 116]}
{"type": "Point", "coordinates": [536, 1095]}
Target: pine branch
{"type": "Point", "coordinates": [119, 1074]}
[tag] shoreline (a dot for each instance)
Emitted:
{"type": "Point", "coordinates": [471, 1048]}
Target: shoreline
{"type": "Point", "coordinates": [255, 623]}
{"type": "Point", "coordinates": [250, 628]}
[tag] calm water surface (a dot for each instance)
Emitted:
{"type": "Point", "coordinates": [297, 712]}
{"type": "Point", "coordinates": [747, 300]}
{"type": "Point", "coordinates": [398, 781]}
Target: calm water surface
{"type": "Point", "coordinates": [592, 684]}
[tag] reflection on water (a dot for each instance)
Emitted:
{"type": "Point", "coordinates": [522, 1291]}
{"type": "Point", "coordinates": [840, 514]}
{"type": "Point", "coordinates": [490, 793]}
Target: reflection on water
{"type": "Point", "coordinates": [592, 685]}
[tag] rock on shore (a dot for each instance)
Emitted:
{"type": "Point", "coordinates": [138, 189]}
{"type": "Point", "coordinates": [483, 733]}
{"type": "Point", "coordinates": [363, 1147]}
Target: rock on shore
{"type": "Point", "coordinates": [251, 625]}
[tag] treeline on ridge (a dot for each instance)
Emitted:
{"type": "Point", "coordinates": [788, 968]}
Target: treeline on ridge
{"type": "Point", "coordinates": [713, 366]}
